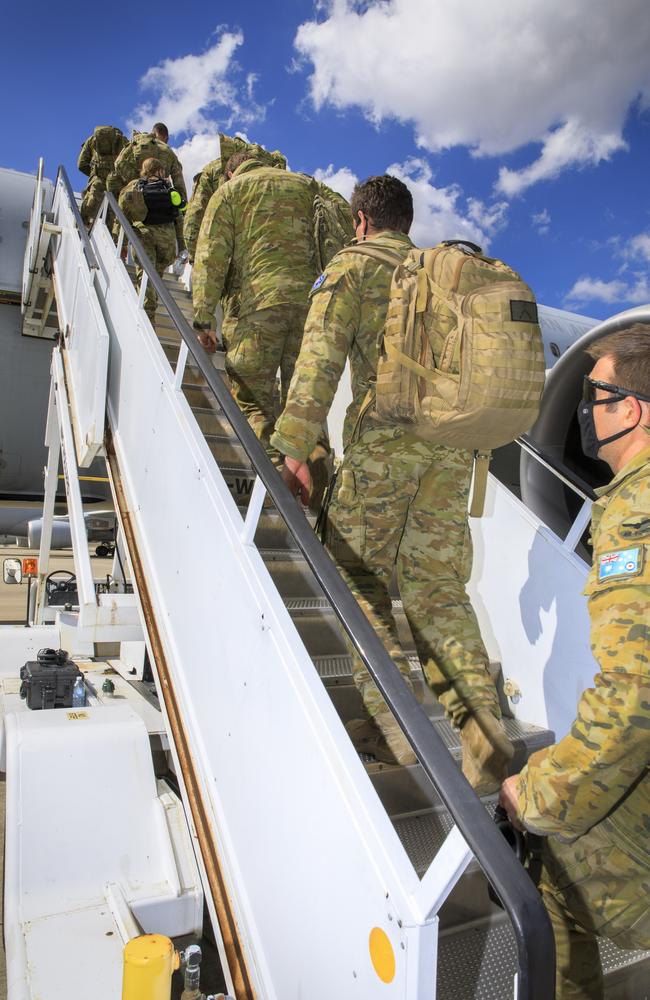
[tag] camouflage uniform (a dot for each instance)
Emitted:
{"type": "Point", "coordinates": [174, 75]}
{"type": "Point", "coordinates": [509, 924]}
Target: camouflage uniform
{"type": "Point", "coordinates": [590, 793]}
{"type": "Point", "coordinates": [401, 502]}
{"type": "Point", "coordinates": [159, 241]}
{"type": "Point", "coordinates": [128, 164]}
{"type": "Point", "coordinates": [96, 163]}
{"type": "Point", "coordinates": [212, 177]}
{"type": "Point", "coordinates": [256, 249]}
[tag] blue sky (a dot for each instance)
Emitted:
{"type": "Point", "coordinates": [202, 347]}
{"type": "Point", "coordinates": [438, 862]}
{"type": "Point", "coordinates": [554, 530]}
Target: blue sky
{"type": "Point", "coordinates": [524, 124]}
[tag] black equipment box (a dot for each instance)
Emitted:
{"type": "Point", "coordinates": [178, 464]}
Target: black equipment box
{"type": "Point", "coordinates": [47, 682]}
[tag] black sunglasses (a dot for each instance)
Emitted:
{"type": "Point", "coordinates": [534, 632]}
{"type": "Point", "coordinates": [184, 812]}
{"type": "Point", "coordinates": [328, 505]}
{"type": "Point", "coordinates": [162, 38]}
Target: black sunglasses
{"type": "Point", "coordinates": [589, 386]}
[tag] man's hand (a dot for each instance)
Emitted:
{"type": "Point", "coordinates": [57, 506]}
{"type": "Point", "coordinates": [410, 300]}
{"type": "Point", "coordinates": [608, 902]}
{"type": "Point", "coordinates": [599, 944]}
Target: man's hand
{"type": "Point", "coordinates": [298, 478]}
{"type": "Point", "coordinates": [208, 339]}
{"type": "Point", "coordinates": [508, 799]}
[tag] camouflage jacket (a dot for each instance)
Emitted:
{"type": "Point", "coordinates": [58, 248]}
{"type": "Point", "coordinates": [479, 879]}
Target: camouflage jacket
{"type": "Point", "coordinates": [256, 244]}
{"type": "Point", "coordinates": [212, 177]}
{"type": "Point", "coordinates": [347, 314]}
{"type": "Point", "coordinates": [128, 164]}
{"type": "Point", "coordinates": [599, 772]}
{"type": "Point", "coordinates": [95, 162]}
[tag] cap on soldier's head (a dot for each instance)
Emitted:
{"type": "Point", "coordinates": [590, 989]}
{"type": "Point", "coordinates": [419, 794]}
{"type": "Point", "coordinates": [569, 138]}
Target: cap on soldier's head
{"type": "Point", "coordinates": [161, 131]}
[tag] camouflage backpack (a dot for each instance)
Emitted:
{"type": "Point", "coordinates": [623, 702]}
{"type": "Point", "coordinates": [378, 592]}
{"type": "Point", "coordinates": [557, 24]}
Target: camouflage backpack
{"type": "Point", "coordinates": [461, 359]}
{"type": "Point", "coordinates": [132, 201]}
{"type": "Point", "coordinates": [332, 224]}
{"type": "Point", "coordinates": [108, 142]}
{"type": "Point", "coordinates": [229, 145]}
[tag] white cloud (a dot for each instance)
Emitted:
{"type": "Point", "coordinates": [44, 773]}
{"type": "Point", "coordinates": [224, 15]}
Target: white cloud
{"type": "Point", "coordinates": [438, 213]}
{"type": "Point", "coordinates": [635, 292]}
{"type": "Point", "coordinates": [638, 248]}
{"type": "Point", "coordinates": [195, 152]}
{"type": "Point", "coordinates": [541, 221]}
{"type": "Point", "coordinates": [342, 180]}
{"type": "Point", "coordinates": [572, 144]}
{"type": "Point", "coordinates": [195, 92]}
{"type": "Point", "coordinates": [493, 77]}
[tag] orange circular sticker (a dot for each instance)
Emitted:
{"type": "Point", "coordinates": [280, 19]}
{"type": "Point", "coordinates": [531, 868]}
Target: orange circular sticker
{"type": "Point", "coordinates": [382, 955]}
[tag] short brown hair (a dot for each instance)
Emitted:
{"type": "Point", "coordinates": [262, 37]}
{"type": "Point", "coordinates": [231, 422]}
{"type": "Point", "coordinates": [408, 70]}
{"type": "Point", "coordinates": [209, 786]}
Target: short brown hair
{"type": "Point", "coordinates": [151, 167]}
{"type": "Point", "coordinates": [237, 159]}
{"type": "Point", "coordinates": [630, 352]}
{"type": "Point", "coordinates": [161, 131]}
{"type": "Point", "coordinates": [385, 201]}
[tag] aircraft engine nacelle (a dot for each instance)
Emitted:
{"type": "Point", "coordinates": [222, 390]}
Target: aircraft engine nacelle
{"type": "Point", "coordinates": [100, 527]}
{"type": "Point", "coordinates": [557, 434]}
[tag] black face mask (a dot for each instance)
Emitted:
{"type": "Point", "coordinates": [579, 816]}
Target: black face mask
{"type": "Point", "coordinates": [591, 443]}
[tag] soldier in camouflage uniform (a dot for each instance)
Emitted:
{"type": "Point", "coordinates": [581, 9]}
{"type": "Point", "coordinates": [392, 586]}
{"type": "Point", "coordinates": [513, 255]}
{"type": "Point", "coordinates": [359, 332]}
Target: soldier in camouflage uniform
{"type": "Point", "coordinates": [213, 176]}
{"type": "Point", "coordinates": [144, 146]}
{"type": "Point", "coordinates": [147, 204]}
{"type": "Point", "coordinates": [256, 249]}
{"type": "Point", "coordinates": [590, 793]}
{"type": "Point", "coordinates": [96, 161]}
{"type": "Point", "coordinates": [401, 503]}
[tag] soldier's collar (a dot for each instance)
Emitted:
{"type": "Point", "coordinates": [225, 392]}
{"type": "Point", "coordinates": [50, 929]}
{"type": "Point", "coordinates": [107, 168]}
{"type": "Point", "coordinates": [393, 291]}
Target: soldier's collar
{"type": "Point", "coordinates": [247, 165]}
{"type": "Point", "coordinates": [629, 469]}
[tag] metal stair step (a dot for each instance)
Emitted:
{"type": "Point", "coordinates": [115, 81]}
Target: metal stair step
{"type": "Point", "coordinates": [407, 790]}
{"type": "Point", "coordinates": [479, 963]}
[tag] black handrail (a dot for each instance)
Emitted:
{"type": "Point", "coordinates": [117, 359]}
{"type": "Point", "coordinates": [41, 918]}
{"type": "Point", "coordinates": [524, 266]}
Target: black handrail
{"type": "Point", "coordinates": [83, 232]}
{"type": "Point", "coordinates": [567, 475]}
{"type": "Point", "coordinates": [532, 928]}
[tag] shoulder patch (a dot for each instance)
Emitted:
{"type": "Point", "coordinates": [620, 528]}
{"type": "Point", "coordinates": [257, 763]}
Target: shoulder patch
{"type": "Point", "coordinates": [623, 563]}
{"type": "Point", "coordinates": [319, 281]}
{"type": "Point", "coordinates": [635, 528]}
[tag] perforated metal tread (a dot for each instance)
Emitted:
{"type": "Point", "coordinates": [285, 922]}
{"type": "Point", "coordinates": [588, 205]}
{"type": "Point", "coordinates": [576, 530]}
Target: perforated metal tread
{"type": "Point", "coordinates": [339, 667]}
{"type": "Point", "coordinates": [479, 963]}
{"type": "Point", "coordinates": [423, 835]}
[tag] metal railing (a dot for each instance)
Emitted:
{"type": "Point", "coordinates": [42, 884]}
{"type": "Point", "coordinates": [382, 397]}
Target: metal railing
{"type": "Point", "coordinates": [532, 929]}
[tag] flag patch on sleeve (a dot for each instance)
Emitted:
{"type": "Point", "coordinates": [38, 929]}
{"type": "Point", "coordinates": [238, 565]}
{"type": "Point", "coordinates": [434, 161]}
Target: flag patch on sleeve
{"type": "Point", "coordinates": [319, 281]}
{"type": "Point", "coordinates": [625, 562]}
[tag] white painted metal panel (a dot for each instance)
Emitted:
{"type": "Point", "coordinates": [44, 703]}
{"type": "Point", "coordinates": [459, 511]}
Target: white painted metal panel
{"type": "Point", "coordinates": [84, 811]}
{"type": "Point", "coordinates": [311, 860]}
{"type": "Point", "coordinates": [526, 588]}
{"type": "Point", "coordinates": [86, 336]}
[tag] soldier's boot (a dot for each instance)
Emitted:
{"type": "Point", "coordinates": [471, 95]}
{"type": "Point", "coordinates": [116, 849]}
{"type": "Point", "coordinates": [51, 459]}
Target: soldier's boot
{"type": "Point", "coordinates": [487, 751]}
{"type": "Point", "coordinates": [383, 738]}
{"type": "Point", "coordinates": [321, 467]}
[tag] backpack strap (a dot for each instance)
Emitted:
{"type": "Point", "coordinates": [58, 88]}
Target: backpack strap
{"type": "Point", "coordinates": [479, 487]}
{"type": "Point", "coordinates": [383, 254]}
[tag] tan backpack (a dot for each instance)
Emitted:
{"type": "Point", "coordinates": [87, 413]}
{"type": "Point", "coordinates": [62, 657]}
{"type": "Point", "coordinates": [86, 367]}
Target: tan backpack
{"type": "Point", "coordinates": [461, 358]}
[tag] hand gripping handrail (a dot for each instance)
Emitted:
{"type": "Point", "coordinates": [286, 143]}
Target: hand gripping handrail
{"type": "Point", "coordinates": [532, 928]}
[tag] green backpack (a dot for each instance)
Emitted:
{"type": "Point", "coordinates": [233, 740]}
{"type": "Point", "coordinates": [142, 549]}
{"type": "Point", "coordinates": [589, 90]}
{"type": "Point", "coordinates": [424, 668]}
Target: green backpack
{"type": "Point", "coordinates": [332, 224]}
{"type": "Point", "coordinates": [108, 142]}
{"type": "Point", "coordinates": [461, 358]}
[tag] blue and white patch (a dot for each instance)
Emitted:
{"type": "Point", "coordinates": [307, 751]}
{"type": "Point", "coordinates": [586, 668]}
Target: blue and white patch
{"type": "Point", "coordinates": [626, 562]}
{"type": "Point", "coordinates": [319, 281]}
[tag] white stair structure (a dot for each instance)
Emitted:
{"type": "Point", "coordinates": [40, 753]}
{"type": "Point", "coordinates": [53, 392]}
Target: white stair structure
{"type": "Point", "coordinates": [324, 875]}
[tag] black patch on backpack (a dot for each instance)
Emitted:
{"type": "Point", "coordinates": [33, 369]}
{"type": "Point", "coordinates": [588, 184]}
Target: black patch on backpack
{"type": "Point", "coordinates": [523, 312]}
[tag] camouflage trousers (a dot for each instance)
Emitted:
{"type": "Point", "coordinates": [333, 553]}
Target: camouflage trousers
{"type": "Point", "coordinates": [92, 197]}
{"type": "Point", "coordinates": [401, 504]}
{"type": "Point", "coordinates": [257, 346]}
{"type": "Point", "coordinates": [598, 886]}
{"type": "Point", "coordinates": [160, 245]}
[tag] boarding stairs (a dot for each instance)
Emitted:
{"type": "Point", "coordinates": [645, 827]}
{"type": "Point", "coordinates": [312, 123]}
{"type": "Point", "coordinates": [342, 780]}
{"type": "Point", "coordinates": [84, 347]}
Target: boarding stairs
{"type": "Point", "coordinates": [325, 873]}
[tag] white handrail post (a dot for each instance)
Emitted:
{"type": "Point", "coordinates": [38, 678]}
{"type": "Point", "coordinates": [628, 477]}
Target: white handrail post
{"type": "Point", "coordinates": [81, 555]}
{"type": "Point", "coordinates": [255, 506]}
{"type": "Point", "coordinates": [180, 366]}
{"type": "Point", "coordinates": [49, 500]}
